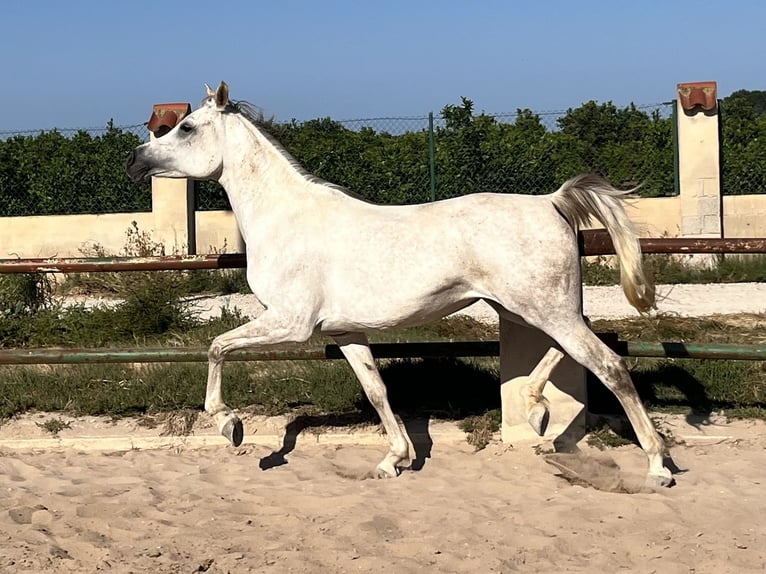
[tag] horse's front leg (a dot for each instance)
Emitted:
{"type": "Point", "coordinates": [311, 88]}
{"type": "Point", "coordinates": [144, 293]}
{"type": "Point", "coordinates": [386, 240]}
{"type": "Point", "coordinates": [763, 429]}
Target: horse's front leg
{"type": "Point", "coordinates": [266, 329]}
{"type": "Point", "coordinates": [356, 349]}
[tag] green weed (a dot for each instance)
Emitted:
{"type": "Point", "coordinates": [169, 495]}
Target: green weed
{"type": "Point", "coordinates": [139, 243]}
{"type": "Point", "coordinates": [603, 436]}
{"type": "Point", "coordinates": [54, 426]}
{"type": "Point", "coordinates": [481, 428]}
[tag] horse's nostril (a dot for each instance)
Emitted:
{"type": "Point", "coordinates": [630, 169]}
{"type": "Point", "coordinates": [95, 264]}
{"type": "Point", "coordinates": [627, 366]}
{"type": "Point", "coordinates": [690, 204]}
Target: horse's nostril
{"type": "Point", "coordinates": [131, 158]}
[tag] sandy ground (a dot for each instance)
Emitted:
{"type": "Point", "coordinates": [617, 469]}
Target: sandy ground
{"type": "Point", "coordinates": [196, 505]}
{"type": "Point", "coordinates": [119, 497]}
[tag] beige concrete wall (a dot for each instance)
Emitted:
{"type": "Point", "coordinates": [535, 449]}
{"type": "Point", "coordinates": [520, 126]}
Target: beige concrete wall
{"type": "Point", "coordinates": [656, 216]}
{"type": "Point", "coordinates": [75, 235]}
{"type": "Point", "coordinates": [744, 216]}
{"type": "Point", "coordinates": [217, 232]}
{"type": "Point", "coordinates": [69, 235]}
{"type": "Point", "coordinates": [653, 216]}
{"type": "Point", "coordinates": [172, 222]}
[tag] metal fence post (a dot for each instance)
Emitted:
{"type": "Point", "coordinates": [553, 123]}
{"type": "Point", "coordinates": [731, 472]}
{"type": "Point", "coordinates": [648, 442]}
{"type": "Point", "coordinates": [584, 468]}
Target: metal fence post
{"type": "Point", "coordinates": [432, 155]}
{"type": "Point", "coordinates": [674, 135]}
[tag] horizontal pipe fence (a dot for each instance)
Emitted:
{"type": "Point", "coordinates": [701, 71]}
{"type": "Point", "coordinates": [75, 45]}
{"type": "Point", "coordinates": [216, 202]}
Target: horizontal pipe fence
{"type": "Point", "coordinates": [591, 242]}
{"type": "Point", "coordinates": [71, 356]}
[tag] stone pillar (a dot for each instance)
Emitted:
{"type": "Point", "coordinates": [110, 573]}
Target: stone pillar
{"type": "Point", "coordinates": [699, 160]}
{"type": "Point", "coordinates": [173, 211]}
{"type": "Point", "coordinates": [172, 199]}
{"type": "Point", "coordinates": [521, 348]}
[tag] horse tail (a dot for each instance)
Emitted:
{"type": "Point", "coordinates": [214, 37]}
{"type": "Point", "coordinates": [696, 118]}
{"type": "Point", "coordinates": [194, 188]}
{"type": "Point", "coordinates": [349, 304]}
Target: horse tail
{"type": "Point", "coordinates": [587, 196]}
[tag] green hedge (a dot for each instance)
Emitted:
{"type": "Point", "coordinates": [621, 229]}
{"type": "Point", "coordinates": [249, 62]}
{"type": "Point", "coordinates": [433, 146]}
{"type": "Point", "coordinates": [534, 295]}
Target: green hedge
{"type": "Point", "coordinates": [387, 160]}
{"type": "Point", "coordinates": [51, 174]}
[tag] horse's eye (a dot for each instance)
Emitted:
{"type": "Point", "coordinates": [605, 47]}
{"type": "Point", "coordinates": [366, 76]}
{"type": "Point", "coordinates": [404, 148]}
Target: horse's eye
{"type": "Point", "coordinates": [186, 128]}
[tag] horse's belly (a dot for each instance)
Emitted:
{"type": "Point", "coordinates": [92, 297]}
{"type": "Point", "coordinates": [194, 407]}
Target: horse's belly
{"type": "Point", "coordinates": [390, 310]}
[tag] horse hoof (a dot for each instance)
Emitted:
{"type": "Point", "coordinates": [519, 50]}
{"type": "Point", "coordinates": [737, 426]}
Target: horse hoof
{"type": "Point", "coordinates": [538, 418]}
{"type": "Point", "coordinates": [233, 431]}
{"type": "Point", "coordinates": [662, 480]}
{"type": "Point", "coordinates": [385, 472]}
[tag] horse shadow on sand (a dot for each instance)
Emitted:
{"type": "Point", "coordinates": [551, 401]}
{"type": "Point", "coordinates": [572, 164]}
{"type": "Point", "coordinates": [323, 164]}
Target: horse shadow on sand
{"type": "Point", "coordinates": [664, 387]}
{"type": "Point", "coordinates": [453, 389]}
{"type": "Point", "coordinates": [419, 391]}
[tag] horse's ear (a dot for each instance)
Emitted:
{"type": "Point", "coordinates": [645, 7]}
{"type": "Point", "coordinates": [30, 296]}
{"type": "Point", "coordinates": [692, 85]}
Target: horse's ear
{"type": "Point", "coordinates": [210, 92]}
{"type": "Point", "coordinates": [222, 95]}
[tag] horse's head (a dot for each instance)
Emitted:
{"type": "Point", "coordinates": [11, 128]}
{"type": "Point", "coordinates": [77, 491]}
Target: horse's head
{"type": "Point", "coordinates": [193, 148]}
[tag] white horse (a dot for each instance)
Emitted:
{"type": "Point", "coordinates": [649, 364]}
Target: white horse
{"type": "Point", "coordinates": [320, 259]}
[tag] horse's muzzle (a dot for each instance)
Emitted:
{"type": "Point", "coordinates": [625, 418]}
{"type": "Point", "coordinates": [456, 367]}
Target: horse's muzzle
{"type": "Point", "coordinates": [136, 170]}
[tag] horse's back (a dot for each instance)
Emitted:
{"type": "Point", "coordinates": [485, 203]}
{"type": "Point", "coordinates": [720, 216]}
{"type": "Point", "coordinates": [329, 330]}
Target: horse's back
{"type": "Point", "coordinates": [387, 266]}
{"type": "Point", "coordinates": [506, 225]}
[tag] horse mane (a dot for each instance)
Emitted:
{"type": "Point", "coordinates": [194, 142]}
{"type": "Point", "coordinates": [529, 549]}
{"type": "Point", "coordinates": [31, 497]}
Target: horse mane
{"type": "Point", "coordinates": [254, 114]}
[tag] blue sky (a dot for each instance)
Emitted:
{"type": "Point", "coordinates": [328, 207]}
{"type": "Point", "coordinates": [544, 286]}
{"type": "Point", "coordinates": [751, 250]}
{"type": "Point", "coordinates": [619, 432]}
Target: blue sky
{"type": "Point", "coordinates": [78, 63]}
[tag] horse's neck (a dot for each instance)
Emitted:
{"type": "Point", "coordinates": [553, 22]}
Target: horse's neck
{"type": "Point", "coordinates": [261, 183]}
{"type": "Point", "coordinates": [252, 166]}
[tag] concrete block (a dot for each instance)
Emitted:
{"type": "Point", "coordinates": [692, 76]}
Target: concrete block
{"type": "Point", "coordinates": [711, 224]}
{"type": "Point", "coordinates": [710, 205]}
{"type": "Point", "coordinates": [691, 225]}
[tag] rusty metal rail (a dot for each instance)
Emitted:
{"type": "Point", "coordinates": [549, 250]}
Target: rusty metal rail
{"type": "Point", "coordinates": [598, 242]}
{"type": "Point", "coordinates": [591, 242]}
{"type": "Point", "coordinates": [101, 264]}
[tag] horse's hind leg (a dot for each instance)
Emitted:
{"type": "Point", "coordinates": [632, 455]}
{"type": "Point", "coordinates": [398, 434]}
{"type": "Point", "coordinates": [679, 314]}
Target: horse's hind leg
{"type": "Point", "coordinates": [587, 349]}
{"type": "Point", "coordinates": [357, 352]}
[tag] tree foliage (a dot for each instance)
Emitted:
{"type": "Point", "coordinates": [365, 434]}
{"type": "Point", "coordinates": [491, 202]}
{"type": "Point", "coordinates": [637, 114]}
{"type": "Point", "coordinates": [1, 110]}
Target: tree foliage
{"type": "Point", "coordinates": [50, 173]}
{"type": "Point", "coordinates": [53, 174]}
{"type": "Point", "coordinates": [477, 153]}
{"type": "Point", "coordinates": [743, 142]}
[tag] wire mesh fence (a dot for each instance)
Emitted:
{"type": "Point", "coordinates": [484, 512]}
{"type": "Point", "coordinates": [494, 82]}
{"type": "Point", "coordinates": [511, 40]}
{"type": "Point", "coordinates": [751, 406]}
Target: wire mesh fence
{"type": "Point", "coordinates": [393, 159]}
{"type": "Point", "coordinates": [422, 158]}
{"type": "Point", "coordinates": [743, 145]}
{"type": "Point", "coordinates": [70, 171]}
{"type": "Point", "coordinates": [139, 130]}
